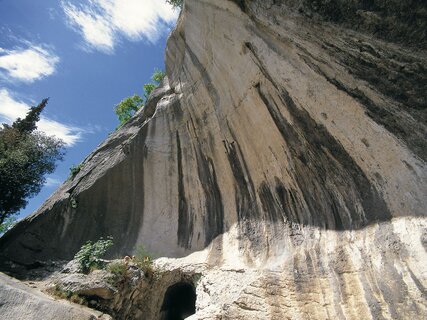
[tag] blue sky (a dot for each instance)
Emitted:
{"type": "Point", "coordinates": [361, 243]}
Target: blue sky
{"type": "Point", "coordinates": [85, 55]}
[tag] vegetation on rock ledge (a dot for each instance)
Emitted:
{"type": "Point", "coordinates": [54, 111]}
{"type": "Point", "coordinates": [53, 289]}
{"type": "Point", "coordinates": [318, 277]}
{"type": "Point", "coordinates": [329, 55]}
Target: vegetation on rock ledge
{"type": "Point", "coordinates": [90, 254]}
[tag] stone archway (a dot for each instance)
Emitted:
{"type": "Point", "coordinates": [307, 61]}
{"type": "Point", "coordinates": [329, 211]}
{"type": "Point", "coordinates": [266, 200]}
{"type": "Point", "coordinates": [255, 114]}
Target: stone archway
{"type": "Point", "coordinates": [179, 302]}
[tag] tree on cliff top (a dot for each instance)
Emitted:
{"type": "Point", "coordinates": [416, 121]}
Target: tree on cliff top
{"type": "Point", "coordinates": [26, 156]}
{"type": "Point", "coordinates": [126, 108]}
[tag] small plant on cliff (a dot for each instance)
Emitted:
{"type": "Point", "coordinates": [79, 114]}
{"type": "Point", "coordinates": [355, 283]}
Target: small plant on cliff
{"type": "Point", "coordinates": [74, 170]}
{"type": "Point", "coordinates": [73, 203]}
{"type": "Point", "coordinates": [60, 293]}
{"type": "Point", "coordinates": [90, 254]}
{"type": "Point", "coordinates": [196, 279]}
{"type": "Point", "coordinates": [144, 260]}
{"type": "Point", "coordinates": [118, 268]}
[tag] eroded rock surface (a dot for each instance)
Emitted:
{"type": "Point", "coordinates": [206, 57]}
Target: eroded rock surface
{"type": "Point", "coordinates": [284, 159]}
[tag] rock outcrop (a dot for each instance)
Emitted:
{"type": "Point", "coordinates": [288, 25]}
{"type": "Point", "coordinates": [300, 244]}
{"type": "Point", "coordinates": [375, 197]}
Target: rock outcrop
{"type": "Point", "coordinates": [127, 290]}
{"type": "Point", "coordinates": [284, 159]}
{"type": "Point", "coordinates": [19, 301]}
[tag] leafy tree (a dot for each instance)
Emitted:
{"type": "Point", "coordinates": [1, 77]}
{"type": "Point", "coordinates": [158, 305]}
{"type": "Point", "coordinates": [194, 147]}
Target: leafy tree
{"type": "Point", "coordinates": [148, 88]}
{"type": "Point", "coordinates": [175, 3]}
{"type": "Point", "coordinates": [26, 156]}
{"type": "Point", "coordinates": [158, 76]}
{"type": "Point", "coordinates": [126, 108]}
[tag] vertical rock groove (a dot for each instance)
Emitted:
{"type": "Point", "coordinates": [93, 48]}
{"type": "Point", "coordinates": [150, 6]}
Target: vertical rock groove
{"type": "Point", "coordinates": [214, 219]}
{"type": "Point", "coordinates": [185, 218]}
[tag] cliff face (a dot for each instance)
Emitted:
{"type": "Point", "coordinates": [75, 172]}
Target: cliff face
{"type": "Point", "coordinates": [286, 151]}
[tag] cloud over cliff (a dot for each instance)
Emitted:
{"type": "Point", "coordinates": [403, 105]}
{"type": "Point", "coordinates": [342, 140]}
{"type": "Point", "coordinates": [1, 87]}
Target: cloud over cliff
{"type": "Point", "coordinates": [103, 22]}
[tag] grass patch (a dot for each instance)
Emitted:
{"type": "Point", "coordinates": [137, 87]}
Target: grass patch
{"type": "Point", "coordinates": [60, 293]}
{"type": "Point", "coordinates": [144, 261]}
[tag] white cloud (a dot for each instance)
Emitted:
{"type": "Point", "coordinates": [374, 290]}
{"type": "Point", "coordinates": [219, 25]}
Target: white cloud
{"type": "Point", "coordinates": [28, 64]}
{"type": "Point", "coordinates": [11, 109]}
{"type": "Point", "coordinates": [52, 182]}
{"type": "Point", "coordinates": [101, 22]}
{"type": "Point", "coordinates": [94, 28]}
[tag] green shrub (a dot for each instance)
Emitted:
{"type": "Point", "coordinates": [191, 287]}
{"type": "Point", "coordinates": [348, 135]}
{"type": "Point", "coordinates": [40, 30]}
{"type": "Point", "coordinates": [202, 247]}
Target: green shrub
{"type": "Point", "coordinates": [73, 203]}
{"type": "Point", "coordinates": [90, 254]}
{"type": "Point", "coordinates": [74, 170]}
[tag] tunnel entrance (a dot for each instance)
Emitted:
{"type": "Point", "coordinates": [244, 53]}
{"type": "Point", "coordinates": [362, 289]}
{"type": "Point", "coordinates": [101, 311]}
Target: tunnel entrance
{"type": "Point", "coordinates": [179, 302]}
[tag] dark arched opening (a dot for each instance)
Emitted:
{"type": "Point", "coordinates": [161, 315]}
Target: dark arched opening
{"type": "Point", "coordinates": [179, 302]}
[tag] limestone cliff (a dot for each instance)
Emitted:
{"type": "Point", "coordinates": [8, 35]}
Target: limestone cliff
{"type": "Point", "coordinates": [286, 151]}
